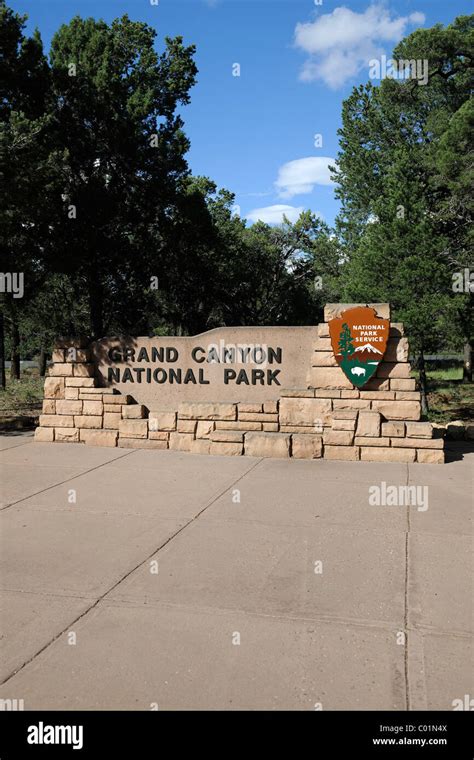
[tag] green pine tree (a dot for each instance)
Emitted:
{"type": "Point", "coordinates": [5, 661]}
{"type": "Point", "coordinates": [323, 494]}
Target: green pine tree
{"type": "Point", "coordinates": [346, 346]}
{"type": "Point", "coordinates": [403, 186]}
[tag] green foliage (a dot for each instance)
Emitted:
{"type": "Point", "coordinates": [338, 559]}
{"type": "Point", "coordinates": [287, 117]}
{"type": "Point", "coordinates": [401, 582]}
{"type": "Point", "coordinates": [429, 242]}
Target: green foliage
{"type": "Point", "coordinates": [403, 169]}
{"type": "Point", "coordinates": [221, 272]}
{"type": "Point", "coordinates": [25, 219]}
{"type": "Point", "coordinates": [120, 151]}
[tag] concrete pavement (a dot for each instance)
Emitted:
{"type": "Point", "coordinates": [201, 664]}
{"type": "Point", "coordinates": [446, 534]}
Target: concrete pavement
{"type": "Point", "coordinates": [137, 579]}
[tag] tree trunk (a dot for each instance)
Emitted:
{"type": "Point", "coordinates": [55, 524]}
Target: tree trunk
{"type": "Point", "coordinates": [467, 327]}
{"type": "Point", "coordinates": [96, 306]}
{"type": "Point", "coordinates": [467, 365]}
{"type": "Point", "coordinates": [15, 336]}
{"type": "Point", "coordinates": [2, 351]}
{"type": "Point", "coordinates": [423, 383]}
{"type": "Point", "coordinates": [42, 362]}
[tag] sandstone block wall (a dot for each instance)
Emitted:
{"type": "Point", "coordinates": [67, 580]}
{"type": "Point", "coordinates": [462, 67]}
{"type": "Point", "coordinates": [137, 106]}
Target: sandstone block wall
{"type": "Point", "coordinates": [328, 418]}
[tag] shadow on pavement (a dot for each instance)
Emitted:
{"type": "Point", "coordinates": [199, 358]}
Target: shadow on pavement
{"type": "Point", "coordinates": [456, 450]}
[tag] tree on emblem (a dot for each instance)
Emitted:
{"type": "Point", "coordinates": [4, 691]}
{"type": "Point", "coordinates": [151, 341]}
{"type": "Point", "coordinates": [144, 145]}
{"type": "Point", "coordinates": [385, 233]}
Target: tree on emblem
{"type": "Point", "coordinates": [346, 347]}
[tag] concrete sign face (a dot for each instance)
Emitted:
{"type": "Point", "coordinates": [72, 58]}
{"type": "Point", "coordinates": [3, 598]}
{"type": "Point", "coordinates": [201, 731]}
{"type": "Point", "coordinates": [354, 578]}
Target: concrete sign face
{"type": "Point", "coordinates": [225, 364]}
{"type": "Point", "coordinates": [359, 340]}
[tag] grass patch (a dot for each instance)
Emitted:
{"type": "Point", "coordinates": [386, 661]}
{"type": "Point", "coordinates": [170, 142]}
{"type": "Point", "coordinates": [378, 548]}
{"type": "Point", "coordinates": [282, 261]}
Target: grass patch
{"type": "Point", "coordinates": [451, 401]}
{"type": "Point", "coordinates": [448, 397]}
{"type": "Point", "coordinates": [22, 397]}
{"type": "Point", "coordinates": [450, 374]}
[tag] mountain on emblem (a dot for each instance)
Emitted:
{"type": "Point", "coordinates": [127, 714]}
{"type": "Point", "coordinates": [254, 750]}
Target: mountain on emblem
{"type": "Point", "coordinates": [359, 340]}
{"type": "Point", "coordinates": [368, 347]}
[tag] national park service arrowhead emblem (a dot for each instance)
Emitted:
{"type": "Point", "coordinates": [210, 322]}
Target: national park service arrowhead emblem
{"type": "Point", "coordinates": [359, 340]}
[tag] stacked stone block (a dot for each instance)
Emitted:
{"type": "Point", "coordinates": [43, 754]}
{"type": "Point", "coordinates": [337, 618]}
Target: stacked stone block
{"type": "Point", "coordinates": [367, 437]}
{"type": "Point", "coordinates": [74, 409]}
{"type": "Point", "coordinates": [229, 429]}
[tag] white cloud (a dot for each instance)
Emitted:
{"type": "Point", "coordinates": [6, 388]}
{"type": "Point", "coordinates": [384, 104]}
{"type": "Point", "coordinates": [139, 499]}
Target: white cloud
{"type": "Point", "coordinates": [417, 18]}
{"type": "Point", "coordinates": [300, 176]}
{"type": "Point", "coordinates": [340, 44]}
{"type": "Point", "coordinates": [274, 214]}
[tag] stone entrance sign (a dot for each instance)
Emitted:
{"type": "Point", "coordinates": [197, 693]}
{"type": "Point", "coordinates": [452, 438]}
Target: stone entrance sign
{"type": "Point", "coordinates": [225, 364]}
{"type": "Point", "coordinates": [251, 391]}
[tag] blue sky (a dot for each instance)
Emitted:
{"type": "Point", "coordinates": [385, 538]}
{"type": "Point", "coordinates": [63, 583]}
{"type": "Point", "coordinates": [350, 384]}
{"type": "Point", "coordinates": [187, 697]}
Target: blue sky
{"type": "Point", "coordinates": [254, 134]}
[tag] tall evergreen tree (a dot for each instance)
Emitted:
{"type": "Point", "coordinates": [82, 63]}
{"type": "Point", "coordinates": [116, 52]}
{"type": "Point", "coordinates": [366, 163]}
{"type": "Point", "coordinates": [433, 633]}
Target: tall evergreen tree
{"type": "Point", "coordinates": [25, 173]}
{"type": "Point", "coordinates": [393, 193]}
{"type": "Point", "coordinates": [121, 153]}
